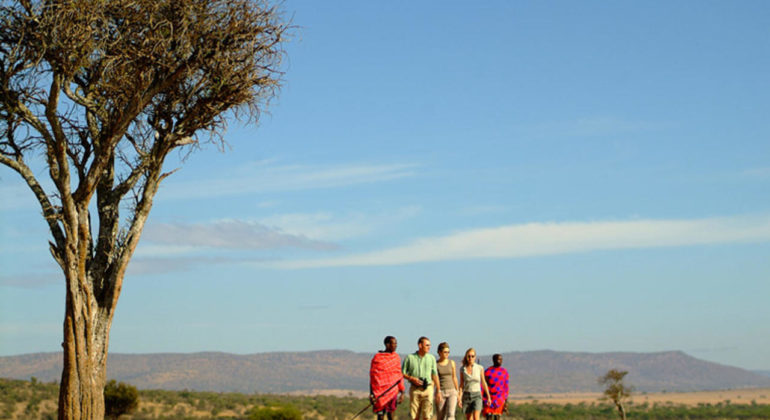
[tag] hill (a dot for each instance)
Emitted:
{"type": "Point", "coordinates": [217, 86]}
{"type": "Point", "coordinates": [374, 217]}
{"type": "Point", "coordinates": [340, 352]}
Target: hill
{"type": "Point", "coordinates": [282, 372]}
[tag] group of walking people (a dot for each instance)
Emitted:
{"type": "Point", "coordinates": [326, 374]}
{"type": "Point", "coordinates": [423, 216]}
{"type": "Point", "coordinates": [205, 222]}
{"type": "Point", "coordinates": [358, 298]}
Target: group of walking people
{"type": "Point", "coordinates": [436, 381]}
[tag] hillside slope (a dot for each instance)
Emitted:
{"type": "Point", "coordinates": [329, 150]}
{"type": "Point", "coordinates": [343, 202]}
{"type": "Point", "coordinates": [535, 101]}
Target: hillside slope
{"type": "Point", "coordinates": [531, 372]}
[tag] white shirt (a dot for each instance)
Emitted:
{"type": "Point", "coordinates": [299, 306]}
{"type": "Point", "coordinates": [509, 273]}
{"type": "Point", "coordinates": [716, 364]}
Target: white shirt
{"type": "Point", "coordinates": [472, 382]}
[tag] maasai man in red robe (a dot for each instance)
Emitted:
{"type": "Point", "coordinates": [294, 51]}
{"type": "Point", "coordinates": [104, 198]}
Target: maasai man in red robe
{"type": "Point", "coordinates": [497, 379]}
{"type": "Point", "coordinates": [386, 382]}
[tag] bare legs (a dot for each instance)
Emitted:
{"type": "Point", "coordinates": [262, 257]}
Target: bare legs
{"type": "Point", "coordinates": [473, 415]}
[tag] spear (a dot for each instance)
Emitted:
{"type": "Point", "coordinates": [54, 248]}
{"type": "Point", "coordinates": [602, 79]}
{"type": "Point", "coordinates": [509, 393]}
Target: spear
{"type": "Point", "coordinates": [377, 398]}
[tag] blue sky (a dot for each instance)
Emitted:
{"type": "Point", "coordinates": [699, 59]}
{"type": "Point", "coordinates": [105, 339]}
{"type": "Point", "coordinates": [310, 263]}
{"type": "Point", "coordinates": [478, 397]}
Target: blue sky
{"type": "Point", "coordinates": [508, 175]}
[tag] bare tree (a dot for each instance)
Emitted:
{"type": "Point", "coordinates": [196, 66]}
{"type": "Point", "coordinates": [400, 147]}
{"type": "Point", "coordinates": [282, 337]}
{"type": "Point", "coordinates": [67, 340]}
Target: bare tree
{"type": "Point", "coordinates": [615, 390]}
{"type": "Point", "coordinates": [104, 90]}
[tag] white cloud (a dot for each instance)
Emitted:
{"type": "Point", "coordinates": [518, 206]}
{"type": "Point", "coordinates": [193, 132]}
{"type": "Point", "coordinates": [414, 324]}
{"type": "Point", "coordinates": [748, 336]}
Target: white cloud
{"type": "Point", "coordinates": [262, 177]}
{"type": "Point", "coordinates": [267, 204]}
{"type": "Point", "coordinates": [149, 250]}
{"type": "Point", "coordinates": [234, 234]}
{"type": "Point", "coordinates": [317, 225]}
{"type": "Point", "coordinates": [759, 173]}
{"type": "Point", "coordinates": [535, 239]}
{"type": "Point", "coordinates": [161, 265]}
{"type": "Point", "coordinates": [328, 227]}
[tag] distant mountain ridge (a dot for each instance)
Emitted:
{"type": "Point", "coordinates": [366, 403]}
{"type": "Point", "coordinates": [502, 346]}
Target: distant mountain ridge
{"type": "Point", "coordinates": [281, 372]}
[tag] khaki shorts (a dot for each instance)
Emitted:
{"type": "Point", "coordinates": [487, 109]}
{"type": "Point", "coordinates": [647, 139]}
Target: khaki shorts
{"type": "Point", "coordinates": [472, 402]}
{"type": "Point", "coordinates": [421, 402]}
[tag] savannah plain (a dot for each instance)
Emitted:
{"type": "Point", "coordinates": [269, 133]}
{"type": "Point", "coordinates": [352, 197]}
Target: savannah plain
{"type": "Point", "coordinates": [736, 396]}
{"type": "Point", "coordinates": [25, 400]}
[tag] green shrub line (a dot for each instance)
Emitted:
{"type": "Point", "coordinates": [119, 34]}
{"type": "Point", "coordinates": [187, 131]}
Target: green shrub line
{"type": "Point", "coordinates": [200, 405]}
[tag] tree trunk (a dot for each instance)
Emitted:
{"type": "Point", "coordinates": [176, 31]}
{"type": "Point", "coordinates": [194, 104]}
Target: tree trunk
{"type": "Point", "coordinates": [86, 340]}
{"type": "Point", "coordinates": [94, 278]}
{"type": "Point", "coordinates": [621, 411]}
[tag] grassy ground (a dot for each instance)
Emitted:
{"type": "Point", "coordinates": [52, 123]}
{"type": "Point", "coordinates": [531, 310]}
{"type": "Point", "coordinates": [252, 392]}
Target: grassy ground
{"type": "Point", "coordinates": [733, 396]}
{"type": "Point", "coordinates": [33, 400]}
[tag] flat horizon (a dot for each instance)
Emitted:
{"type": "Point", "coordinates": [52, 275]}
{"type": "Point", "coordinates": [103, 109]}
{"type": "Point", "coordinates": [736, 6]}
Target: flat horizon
{"type": "Point", "coordinates": [481, 355]}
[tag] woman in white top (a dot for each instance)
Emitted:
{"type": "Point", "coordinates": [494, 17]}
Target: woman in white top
{"type": "Point", "coordinates": [472, 381]}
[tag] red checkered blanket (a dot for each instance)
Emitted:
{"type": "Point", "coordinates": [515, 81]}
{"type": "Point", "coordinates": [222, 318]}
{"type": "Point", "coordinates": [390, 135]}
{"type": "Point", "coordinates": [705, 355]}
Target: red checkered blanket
{"type": "Point", "coordinates": [384, 372]}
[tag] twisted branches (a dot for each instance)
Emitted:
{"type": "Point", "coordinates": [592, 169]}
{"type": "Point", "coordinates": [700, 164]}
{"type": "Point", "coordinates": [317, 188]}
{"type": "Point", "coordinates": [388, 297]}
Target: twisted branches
{"type": "Point", "coordinates": [107, 89]}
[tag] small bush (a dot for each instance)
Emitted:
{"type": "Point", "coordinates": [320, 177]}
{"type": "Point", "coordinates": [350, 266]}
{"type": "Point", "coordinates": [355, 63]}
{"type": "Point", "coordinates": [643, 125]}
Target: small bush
{"type": "Point", "coordinates": [119, 399]}
{"type": "Point", "coordinates": [274, 413]}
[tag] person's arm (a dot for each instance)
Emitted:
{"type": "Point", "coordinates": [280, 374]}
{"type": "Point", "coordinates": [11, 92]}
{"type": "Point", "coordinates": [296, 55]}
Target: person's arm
{"type": "Point", "coordinates": [462, 389]}
{"type": "Point", "coordinates": [405, 370]}
{"type": "Point", "coordinates": [371, 374]}
{"type": "Point", "coordinates": [505, 400]}
{"type": "Point", "coordinates": [454, 375]}
{"type": "Point", "coordinates": [401, 386]}
{"type": "Point", "coordinates": [484, 375]}
{"type": "Point", "coordinates": [484, 383]}
{"type": "Point", "coordinates": [438, 387]}
{"type": "Point", "coordinates": [434, 377]}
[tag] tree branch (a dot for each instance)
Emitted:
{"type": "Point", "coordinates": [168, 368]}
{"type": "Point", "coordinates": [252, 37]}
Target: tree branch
{"type": "Point", "coordinates": [127, 248]}
{"type": "Point", "coordinates": [51, 214]}
{"type": "Point", "coordinates": [108, 205]}
{"type": "Point", "coordinates": [57, 149]}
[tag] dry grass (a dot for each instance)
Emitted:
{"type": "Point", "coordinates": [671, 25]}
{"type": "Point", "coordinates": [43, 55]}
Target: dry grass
{"type": "Point", "coordinates": [736, 396]}
{"type": "Point", "coordinates": [156, 409]}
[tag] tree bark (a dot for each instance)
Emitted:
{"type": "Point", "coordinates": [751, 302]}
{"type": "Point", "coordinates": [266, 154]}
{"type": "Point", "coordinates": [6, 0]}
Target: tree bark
{"type": "Point", "coordinates": [86, 341]}
{"type": "Point", "coordinates": [94, 278]}
{"type": "Point", "coordinates": [89, 310]}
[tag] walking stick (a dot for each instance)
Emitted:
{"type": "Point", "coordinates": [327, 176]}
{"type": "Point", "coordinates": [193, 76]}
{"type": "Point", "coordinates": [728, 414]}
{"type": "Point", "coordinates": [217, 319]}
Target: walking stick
{"type": "Point", "coordinates": [377, 398]}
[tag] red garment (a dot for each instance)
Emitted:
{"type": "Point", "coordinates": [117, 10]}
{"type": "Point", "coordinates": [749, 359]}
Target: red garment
{"type": "Point", "coordinates": [384, 372]}
{"type": "Point", "coordinates": [497, 380]}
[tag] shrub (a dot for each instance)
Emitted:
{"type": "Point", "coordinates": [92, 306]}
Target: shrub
{"type": "Point", "coordinates": [274, 413]}
{"type": "Point", "coordinates": [119, 399]}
